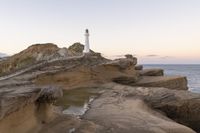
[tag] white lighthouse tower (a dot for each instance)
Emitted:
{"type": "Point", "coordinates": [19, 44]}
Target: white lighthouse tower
{"type": "Point", "coordinates": [87, 45]}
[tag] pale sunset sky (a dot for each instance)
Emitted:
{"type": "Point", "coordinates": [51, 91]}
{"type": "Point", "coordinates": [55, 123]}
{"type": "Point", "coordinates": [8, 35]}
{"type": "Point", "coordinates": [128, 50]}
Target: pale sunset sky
{"type": "Point", "coordinates": [155, 31]}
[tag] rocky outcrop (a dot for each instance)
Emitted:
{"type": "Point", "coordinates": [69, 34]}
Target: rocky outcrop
{"type": "Point", "coordinates": [179, 105]}
{"type": "Point", "coordinates": [77, 49]}
{"type": "Point", "coordinates": [33, 55]}
{"type": "Point", "coordinates": [170, 82]}
{"type": "Point", "coordinates": [27, 57]}
{"type": "Point", "coordinates": [151, 72]}
{"type": "Point", "coordinates": [91, 70]}
{"type": "Point", "coordinates": [20, 95]}
{"type": "Point", "coordinates": [25, 107]}
{"type": "Point", "coordinates": [143, 106]}
{"type": "Point", "coordinates": [125, 109]}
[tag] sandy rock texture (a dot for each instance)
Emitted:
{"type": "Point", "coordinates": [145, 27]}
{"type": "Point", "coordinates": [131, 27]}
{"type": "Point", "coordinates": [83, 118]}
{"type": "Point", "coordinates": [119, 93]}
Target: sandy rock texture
{"type": "Point", "coordinates": [131, 99]}
{"type": "Point", "coordinates": [170, 82]}
{"type": "Point", "coordinates": [37, 53]}
{"type": "Point", "coordinates": [89, 71]}
{"type": "Point", "coordinates": [131, 109]}
{"type": "Point", "coordinates": [151, 72]}
{"type": "Point", "coordinates": [24, 107]}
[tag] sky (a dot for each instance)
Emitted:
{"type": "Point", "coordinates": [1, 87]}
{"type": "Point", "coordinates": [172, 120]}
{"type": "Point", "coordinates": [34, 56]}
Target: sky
{"type": "Point", "coordinates": [155, 31]}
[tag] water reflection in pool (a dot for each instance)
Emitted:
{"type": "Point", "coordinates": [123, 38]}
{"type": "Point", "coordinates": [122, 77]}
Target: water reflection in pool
{"type": "Point", "coordinates": [76, 101]}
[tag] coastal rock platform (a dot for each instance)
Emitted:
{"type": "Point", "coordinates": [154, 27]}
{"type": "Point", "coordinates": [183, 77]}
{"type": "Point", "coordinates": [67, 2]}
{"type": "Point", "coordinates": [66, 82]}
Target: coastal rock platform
{"type": "Point", "coordinates": [127, 100]}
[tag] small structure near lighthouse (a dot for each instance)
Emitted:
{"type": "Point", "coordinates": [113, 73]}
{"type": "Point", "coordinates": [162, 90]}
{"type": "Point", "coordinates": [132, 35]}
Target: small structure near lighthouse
{"type": "Point", "coordinates": [87, 45]}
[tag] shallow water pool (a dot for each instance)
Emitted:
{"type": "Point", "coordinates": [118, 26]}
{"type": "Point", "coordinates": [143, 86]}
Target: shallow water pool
{"type": "Point", "coordinates": [76, 101]}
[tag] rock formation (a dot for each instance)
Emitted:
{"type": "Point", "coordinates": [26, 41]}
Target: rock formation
{"type": "Point", "coordinates": [125, 109]}
{"type": "Point", "coordinates": [130, 98]}
{"type": "Point", "coordinates": [151, 72]}
{"type": "Point", "coordinates": [77, 49]}
{"type": "Point", "coordinates": [170, 82]}
{"type": "Point", "coordinates": [37, 53]}
{"type": "Point", "coordinates": [138, 67]}
{"type": "Point", "coordinates": [25, 107]}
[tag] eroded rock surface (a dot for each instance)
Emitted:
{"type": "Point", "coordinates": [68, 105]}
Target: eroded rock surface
{"type": "Point", "coordinates": [27, 95]}
{"type": "Point", "coordinates": [128, 109]}
{"type": "Point", "coordinates": [171, 82]}
{"type": "Point", "coordinates": [27, 89]}
{"type": "Point", "coordinates": [38, 53]}
{"type": "Point", "coordinates": [151, 72]}
{"type": "Point", "coordinates": [24, 108]}
{"type": "Point", "coordinates": [89, 71]}
{"type": "Point", "coordinates": [71, 124]}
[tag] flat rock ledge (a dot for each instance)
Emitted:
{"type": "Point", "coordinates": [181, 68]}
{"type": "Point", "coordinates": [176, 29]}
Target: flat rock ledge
{"type": "Point", "coordinates": [170, 82]}
{"type": "Point", "coordinates": [151, 72]}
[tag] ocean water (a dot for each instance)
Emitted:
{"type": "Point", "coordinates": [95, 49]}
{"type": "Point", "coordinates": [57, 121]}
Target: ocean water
{"type": "Point", "coordinates": [192, 72]}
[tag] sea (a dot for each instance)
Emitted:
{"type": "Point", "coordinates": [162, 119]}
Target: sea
{"type": "Point", "coordinates": [192, 72]}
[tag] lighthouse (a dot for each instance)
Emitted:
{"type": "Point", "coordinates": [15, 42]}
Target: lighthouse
{"type": "Point", "coordinates": [87, 45]}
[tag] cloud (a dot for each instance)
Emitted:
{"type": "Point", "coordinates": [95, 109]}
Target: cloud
{"type": "Point", "coordinates": [118, 56]}
{"type": "Point", "coordinates": [166, 57]}
{"type": "Point", "coordinates": [158, 56]}
{"type": "Point", "coordinates": [152, 55]}
{"type": "Point", "coordinates": [121, 56]}
{"type": "Point", "coordinates": [113, 56]}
